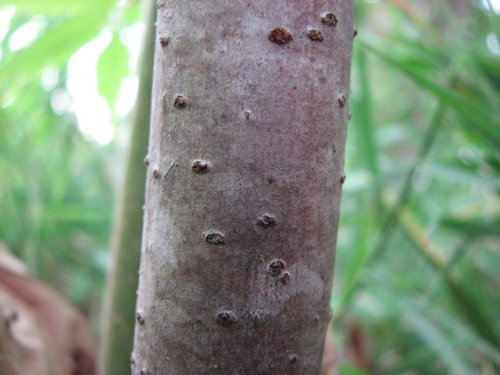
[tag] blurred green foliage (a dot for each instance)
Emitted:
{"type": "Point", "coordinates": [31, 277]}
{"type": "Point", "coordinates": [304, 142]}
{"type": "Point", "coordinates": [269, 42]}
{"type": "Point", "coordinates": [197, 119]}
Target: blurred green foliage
{"type": "Point", "coordinates": [419, 239]}
{"type": "Point", "coordinates": [56, 189]}
{"type": "Point", "coordinates": [418, 254]}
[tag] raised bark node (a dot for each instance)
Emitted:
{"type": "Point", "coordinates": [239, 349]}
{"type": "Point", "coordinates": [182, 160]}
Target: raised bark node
{"type": "Point", "coordinates": [342, 178]}
{"type": "Point", "coordinates": [156, 173]}
{"type": "Point", "coordinates": [266, 220]}
{"type": "Point", "coordinates": [164, 41]}
{"type": "Point", "coordinates": [181, 101]}
{"type": "Point", "coordinates": [342, 100]}
{"type": "Point", "coordinates": [140, 318]}
{"type": "Point", "coordinates": [226, 318]}
{"type": "Point", "coordinates": [329, 19]}
{"type": "Point", "coordinates": [315, 34]}
{"type": "Point", "coordinates": [275, 267]}
{"type": "Point", "coordinates": [285, 278]}
{"type": "Point", "coordinates": [280, 35]}
{"type": "Point", "coordinates": [214, 237]}
{"type": "Point", "coordinates": [200, 166]}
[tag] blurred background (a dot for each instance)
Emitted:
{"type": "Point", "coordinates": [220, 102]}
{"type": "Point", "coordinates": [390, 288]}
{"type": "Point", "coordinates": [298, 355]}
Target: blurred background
{"type": "Point", "coordinates": [418, 258]}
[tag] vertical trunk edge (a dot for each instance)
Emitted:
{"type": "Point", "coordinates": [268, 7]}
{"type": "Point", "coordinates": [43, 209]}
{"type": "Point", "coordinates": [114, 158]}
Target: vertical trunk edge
{"type": "Point", "coordinates": [119, 303]}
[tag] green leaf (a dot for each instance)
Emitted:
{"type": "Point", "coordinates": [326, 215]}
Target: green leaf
{"type": "Point", "coordinates": [474, 228]}
{"type": "Point", "coordinates": [360, 255]}
{"type": "Point", "coordinates": [479, 117]}
{"type": "Point", "coordinates": [349, 369]}
{"type": "Point", "coordinates": [111, 68]}
{"type": "Point", "coordinates": [472, 299]}
{"type": "Point", "coordinates": [428, 331]}
{"type": "Point", "coordinates": [466, 336]}
{"type": "Point", "coordinates": [55, 6]}
{"type": "Point", "coordinates": [432, 335]}
{"type": "Point", "coordinates": [460, 175]}
{"type": "Point", "coordinates": [363, 115]}
{"type": "Point", "coordinates": [53, 47]}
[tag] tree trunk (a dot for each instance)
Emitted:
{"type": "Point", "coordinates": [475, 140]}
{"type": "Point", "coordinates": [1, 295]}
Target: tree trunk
{"type": "Point", "coordinates": [249, 111]}
{"type": "Point", "coordinates": [119, 304]}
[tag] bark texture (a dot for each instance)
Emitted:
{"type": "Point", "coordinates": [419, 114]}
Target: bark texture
{"type": "Point", "coordinates": [119, 308]}
{"type": "Point", "coordinates": [250, 105]}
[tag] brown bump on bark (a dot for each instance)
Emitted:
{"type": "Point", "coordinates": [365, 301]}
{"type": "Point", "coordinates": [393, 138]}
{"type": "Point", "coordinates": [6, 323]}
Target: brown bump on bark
{"type": "Point", "coordinates": [329, 19]}
{"type": "Point", "coordinates": [226, 318]}
{"type": "Point", "coordinates": [275, 267]}
{"type": "Point", "coordinates": [285, 278]}
{"type": "Point", "coordinates": [146, 161]}
{"type": "Point", "coordinates": [315, 34]}
{"type": "Point", "coordinates": [266, 220]}
{"type": "Point", "coordinates": [164, 41]}
{"type": "Point", "coordinates": [280, 35]}
{"type": "Point", "coordinates": [342, 100]}
{"type": "Point", "coordinates": [140, 318]}
{"type": "Point", "coordinates": [199, 166]}
{"type": "Point", "coordinates": [342, 178]}
{"type": "Point", "coordinates": [293, 358]}
{"type": "Point", "coordinates": [180, 101]}
{"type": "Point", "coordinates": [354, 33]}
{"type": "Point", "coordinates": [215, 237]}
{"type": "Point", "coordinates": [156, 173]}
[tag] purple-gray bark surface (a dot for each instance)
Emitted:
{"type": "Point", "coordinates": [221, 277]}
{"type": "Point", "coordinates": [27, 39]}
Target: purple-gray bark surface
{"type": "Point", "coordinates": [250, 106]}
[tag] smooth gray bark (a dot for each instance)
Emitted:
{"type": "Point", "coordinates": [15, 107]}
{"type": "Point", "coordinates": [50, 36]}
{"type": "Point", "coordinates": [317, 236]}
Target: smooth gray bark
{"type": "Point", "coordinates": [249, 112]}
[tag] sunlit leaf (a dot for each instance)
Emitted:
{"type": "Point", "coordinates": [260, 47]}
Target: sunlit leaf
{"type": "Point", "coordinates": [56, 7]}
{"type": "Point", "coordinates": [53, 47]}
{"type": "Point", "coordinates": [111, 68]}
